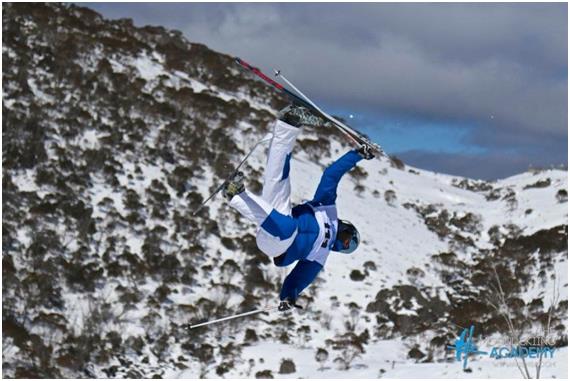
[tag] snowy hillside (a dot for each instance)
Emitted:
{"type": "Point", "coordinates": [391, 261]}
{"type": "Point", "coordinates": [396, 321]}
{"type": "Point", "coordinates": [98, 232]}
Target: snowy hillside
{"type": "Point", "coordinates": [113, 135]}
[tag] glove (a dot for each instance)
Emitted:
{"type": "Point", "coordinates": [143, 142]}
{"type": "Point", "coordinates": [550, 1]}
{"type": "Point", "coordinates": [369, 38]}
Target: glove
{"type": "Point", "coordinates": [288, 304]}
{"type": "Point", "coordinates": [366, 152]}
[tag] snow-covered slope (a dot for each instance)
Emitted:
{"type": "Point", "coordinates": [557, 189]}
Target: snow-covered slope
{"type": "Point", "coordinates": [113, 135]}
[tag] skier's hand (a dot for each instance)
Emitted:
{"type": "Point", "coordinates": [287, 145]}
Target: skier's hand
{"type": "Point", "coordinates": [288, 304]}
{"type": "Point", "coordinates": [366, 152]}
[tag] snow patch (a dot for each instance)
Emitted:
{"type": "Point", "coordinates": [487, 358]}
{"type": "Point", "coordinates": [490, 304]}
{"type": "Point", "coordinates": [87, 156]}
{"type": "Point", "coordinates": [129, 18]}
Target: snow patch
{"type": "Point", "coordinates": [148, 68]}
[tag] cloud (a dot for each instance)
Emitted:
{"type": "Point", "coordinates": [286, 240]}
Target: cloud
{"type": "Point", "coordinates": [500, 67]}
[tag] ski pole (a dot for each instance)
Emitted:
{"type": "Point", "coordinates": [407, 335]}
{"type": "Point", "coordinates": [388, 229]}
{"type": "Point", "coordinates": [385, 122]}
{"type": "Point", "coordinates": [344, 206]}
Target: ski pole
{"type": "Point", "coordinates": [233, 317]}
{"type": "Point", "coordinates": [219, 188]}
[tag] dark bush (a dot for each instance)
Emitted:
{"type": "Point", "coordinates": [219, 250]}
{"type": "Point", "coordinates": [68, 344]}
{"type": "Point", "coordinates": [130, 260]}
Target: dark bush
{"type": "Point", "coordinates": [370, 265]}
{"type": "Point", "coordinates": [357, 276]}
{"type": "Point", "coordinates": [539, 184]}
{"type": "Point", "coordinates": [287, 367]}
{"type": "Point", "coordinates": [264, 374]}
{"type": "Point", "coordinates": [397, 163]}
{"type": "Point", "coordinates": [562, 196]}
{"type": "Point", "coordinates": [250, 335]}
{"type": "Point", "coordinates": [416, 354]}
{"type": "Point", "coordinates": [390, 197]}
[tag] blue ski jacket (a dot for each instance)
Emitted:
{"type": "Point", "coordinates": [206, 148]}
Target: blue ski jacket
{"type": "Point", "coordinates": [308, 228]}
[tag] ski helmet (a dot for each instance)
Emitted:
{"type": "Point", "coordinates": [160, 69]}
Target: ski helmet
{"type": "Point", "coordinates": [347, 237]}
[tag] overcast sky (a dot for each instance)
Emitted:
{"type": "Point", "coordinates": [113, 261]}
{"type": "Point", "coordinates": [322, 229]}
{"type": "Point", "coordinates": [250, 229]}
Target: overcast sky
{"type": "Point", "coordinates": [478, 90]}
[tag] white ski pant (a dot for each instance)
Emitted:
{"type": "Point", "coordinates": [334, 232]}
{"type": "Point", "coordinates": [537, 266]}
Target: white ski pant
{"type": "Point", "coordinates": [272, 211]}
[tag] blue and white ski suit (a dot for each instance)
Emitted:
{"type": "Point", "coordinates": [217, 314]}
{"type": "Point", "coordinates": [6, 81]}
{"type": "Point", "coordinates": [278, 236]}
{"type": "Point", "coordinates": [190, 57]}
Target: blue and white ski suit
{"type": "Point", "coordinates": [305, 233]}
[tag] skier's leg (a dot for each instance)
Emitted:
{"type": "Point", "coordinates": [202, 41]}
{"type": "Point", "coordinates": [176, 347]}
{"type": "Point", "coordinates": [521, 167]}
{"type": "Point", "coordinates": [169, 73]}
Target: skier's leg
{"type": "Point", "coordinates": [276, 231]}
{"type": "Point", "coordinates": [277, 186]}
{"type": "Point", "coordinates": [251, 206]}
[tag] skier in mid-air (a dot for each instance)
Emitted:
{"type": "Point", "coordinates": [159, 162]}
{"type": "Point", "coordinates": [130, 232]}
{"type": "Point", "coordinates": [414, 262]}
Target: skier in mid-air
{"type": "Point", "coordinates": [307, 232]}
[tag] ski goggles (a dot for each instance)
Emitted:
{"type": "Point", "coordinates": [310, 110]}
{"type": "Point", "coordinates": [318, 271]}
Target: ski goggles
{"type": "Point", "coordinates": [352, 244]}
{"type": "Point", "coordinates": [348, 246]}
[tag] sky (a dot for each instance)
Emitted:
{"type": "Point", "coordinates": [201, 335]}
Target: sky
{"type": "Point", "coordinates": [476, 90]}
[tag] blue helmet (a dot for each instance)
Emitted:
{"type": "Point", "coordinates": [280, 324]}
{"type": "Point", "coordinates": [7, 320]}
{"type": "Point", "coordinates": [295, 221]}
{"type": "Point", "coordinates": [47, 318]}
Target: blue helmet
{"type": "Point", "coordinates": [347, 238]}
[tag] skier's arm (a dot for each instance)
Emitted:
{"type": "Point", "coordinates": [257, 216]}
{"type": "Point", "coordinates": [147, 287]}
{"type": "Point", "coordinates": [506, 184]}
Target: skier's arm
{"type": "Point", "coordinates": [326, 191]}
{"type": "Point", "coordinates": [298, 279]}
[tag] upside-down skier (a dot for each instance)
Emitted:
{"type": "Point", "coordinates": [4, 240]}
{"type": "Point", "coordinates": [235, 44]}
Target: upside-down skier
{"type": "Point", "coordinates": [307, 232]}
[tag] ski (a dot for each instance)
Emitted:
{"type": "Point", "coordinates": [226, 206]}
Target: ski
{"type": "Point", "coordinates": [355, 136]}
{"type": "Point", "coordinates": [336, 122]}
{"type": "Point", "coordinates": [235, 171]}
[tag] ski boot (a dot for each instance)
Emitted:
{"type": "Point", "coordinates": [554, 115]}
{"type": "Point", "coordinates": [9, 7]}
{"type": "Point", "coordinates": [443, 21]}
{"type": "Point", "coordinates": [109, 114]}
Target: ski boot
{"type": "Point", "coordinates": [233, 186]}
{"type": "Point", "coordinates": [287, 304]}
{"type": "Point", "coordinates": [298, 116]}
